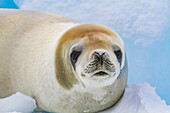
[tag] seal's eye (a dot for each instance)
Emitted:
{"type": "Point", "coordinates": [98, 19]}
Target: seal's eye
{"type": "Point", "coordinates": [74, 56]}
{"type": "Point", "coordinates": [118, 54]}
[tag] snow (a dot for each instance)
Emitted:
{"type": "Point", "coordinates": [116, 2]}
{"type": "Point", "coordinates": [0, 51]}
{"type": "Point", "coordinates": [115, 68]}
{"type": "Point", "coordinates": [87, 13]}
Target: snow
{"type": "Point", "coordinates": [138, 98]}
{"type": "Point", "coordinates": [17, 103]}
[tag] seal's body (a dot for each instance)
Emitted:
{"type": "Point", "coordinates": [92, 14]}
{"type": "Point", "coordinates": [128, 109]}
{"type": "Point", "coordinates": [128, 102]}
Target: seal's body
{"type": "Point", "coordinates": [64, 66]}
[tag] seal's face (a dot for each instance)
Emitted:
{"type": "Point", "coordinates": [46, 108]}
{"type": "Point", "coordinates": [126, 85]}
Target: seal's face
{"type": "Point", "coordinates": [96, 59]}
{"type": "Point", "coordinates": [92, 55]}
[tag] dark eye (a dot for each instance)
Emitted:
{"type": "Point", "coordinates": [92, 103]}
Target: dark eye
{"type": "Point", "coordinates": [118, 54]}
{"type": "Point", "coordinates": [74, 56]}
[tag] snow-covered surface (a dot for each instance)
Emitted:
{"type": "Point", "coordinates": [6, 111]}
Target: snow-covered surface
{"type": "Point", "coordinates": [138, 98]}
{"type": "Point", "coordinates": [17, 103]}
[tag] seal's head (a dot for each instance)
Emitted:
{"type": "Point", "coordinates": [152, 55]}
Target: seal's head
{"type": "Point", "coordinates": [90, 55]}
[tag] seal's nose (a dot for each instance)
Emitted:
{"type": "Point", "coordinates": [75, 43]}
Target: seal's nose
{"type": "Point", "coordinates": [99, 55]}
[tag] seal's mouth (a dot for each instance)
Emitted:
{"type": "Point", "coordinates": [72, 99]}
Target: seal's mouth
{"type": "Point", "coordinates": [100, 73]}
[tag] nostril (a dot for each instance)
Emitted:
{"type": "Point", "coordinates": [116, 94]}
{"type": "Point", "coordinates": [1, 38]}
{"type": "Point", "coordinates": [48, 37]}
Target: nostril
{"type": "Point", "coordinates": [95, 55]}
{"type": "Point", "coordinates": [99, 53]}
{"type": "Point", "coordinates": [99, 56]}
{"type": "Point", "coordinates": [103, 53]}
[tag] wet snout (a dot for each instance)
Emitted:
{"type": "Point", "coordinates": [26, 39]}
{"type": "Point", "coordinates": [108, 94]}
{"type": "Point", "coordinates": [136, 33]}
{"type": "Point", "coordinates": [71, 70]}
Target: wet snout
{"type": "Point", "coordinates": [100, 56]}
{"type": "Point", "coordinates": [99, 64]}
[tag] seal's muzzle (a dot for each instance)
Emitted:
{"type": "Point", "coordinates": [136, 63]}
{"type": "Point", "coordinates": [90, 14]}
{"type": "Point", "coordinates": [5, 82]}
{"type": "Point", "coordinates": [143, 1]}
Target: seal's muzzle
{"type": "Point", "coordinates": [100, 64]}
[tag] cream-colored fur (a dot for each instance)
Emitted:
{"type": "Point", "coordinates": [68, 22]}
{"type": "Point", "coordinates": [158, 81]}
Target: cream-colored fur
{"type": "Point", "coordinates": [28, 42]}
{"type": "Point", "coordinates": [28, 39]}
